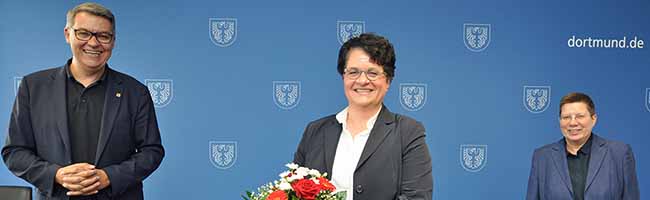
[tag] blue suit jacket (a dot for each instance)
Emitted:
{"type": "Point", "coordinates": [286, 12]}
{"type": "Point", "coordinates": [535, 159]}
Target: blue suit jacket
{"type": "Point", "coordinates": [394, 164]}
{"type": "Point", "coordinates": [611, 174]}
{"type": "Point", "coordinates": [129, 146]}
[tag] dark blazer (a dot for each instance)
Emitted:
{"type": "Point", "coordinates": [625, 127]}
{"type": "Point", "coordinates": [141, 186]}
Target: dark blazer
{"type": "Point", "coordinates": [394, 164]}
{"type": "Point", "coordinates": [611, 174]}
{"type": "Point", "coordinates": [129, 147]}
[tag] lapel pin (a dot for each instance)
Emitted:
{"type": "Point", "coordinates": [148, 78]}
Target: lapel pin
{"type": "Point", "coordinates": [118, 94]}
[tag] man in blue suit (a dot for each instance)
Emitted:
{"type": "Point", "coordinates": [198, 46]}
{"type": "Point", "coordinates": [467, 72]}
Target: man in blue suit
{"type": "Point", "coordinates": [582, 165]}
{"type": "Point", "coordinates": [84, 130]}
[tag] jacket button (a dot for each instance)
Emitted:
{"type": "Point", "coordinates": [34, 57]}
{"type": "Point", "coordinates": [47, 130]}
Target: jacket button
{"type": "Point", "coordinates": [359, 189]}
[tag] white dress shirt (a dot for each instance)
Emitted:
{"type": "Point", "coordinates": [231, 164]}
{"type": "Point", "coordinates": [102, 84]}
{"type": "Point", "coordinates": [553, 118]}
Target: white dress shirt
{"type": "Point", "coordinates": [348, 152]}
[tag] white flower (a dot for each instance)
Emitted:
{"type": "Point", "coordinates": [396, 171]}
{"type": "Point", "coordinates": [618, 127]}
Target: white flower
{"type": "Point", "coordinates": [284, 174]}
{"type": "Point", "coordinates": [284, 185]}
{"type": "Point", "coordinates": [292, 165]}
{"type": "Point", "coordinates": [302, 172]}
{"type": "Point", "coordinates": [314, 173]}
{"type": "Point", "coordinates": [294, 177]}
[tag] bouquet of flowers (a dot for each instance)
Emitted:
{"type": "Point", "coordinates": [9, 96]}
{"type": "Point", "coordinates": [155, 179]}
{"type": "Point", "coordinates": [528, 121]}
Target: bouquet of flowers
{"type": "Point", "coordinates": [298, 183]}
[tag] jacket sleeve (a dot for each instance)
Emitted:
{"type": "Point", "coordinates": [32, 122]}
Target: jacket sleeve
{"type": "Point", "coordinates": [149, 150]}
{"type": "Point", "coordinates": [631, 186]}
{"type": "Point", "coordinates": [19, 151]}
{"type": "Point", "coordinates": [533, 182]}
{"type": "Point", "coordinates": [417, 178]}
{"type": "Point", "coordinates": [299, 156]}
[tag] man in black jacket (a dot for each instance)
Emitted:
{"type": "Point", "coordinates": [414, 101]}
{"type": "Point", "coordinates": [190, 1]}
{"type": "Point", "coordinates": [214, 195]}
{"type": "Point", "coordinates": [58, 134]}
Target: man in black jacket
{"type": "Point", "coordinates": [84, 130]}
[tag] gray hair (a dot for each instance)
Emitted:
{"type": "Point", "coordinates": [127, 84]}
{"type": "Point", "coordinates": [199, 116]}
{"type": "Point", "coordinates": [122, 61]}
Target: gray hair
{"type": "Point", "coordinates": [91, 8]}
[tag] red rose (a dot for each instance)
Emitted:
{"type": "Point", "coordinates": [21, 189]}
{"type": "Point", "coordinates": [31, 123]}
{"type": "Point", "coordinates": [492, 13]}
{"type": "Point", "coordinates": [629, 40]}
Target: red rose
{"type": "Point", "coordinates": [305, 189]}
{"type": "Point", "coordinates": [326, 185]}
{"type": "Point", "coordinates": [277, 195]}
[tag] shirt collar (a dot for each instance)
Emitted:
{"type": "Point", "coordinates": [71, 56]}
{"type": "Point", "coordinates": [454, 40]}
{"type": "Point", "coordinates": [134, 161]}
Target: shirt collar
{"type": "Point", "coordinates": [342, 118]}
{"type": "Point", "coordinates": [69, 74]}
{"type": "Point", "coordinates": [585, 149]}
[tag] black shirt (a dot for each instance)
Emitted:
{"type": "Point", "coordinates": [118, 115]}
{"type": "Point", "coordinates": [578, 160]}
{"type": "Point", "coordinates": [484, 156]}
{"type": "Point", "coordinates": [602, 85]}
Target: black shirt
{"type": "Point", "coordinates": [578, 169]}
{"type": "Point", "coordinates": [85, 109]}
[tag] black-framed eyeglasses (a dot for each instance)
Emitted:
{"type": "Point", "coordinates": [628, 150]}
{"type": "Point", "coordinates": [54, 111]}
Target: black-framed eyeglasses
{"type": "Point", "coordinates": [371, 74]}
{"type": "Point", "coordinates": [85, 35]}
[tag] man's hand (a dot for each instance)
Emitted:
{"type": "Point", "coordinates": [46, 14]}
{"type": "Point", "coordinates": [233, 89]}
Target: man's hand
{"type": "Point", "coordinates": [81, 179]}
{"type": "Point", "coordinates": [103, 179]}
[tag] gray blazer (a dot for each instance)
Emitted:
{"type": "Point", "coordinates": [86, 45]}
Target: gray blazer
{"type": "Point", "coordinates": [394, 164]}
{"type": "Point", "coordinates": [129, 147]}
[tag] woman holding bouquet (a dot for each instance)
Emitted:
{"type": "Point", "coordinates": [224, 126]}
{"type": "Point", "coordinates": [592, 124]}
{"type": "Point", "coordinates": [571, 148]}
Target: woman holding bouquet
{"type": "Point", "coordinates": [369, 152]}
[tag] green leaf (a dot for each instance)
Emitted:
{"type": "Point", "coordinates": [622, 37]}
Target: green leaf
{"type": "Point", "coordinates": [341, 195]}
{"type": "Point", "coordinates": [249, 195]}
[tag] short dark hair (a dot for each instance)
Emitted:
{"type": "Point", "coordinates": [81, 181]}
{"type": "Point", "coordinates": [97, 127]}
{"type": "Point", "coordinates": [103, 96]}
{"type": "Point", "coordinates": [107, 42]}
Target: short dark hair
{"type": "Point", "coordinates": [575, 97]}
{"type": "Point", "coordinates": [379, 49]}
{"type": "Point", "coordinates": [91, 8]}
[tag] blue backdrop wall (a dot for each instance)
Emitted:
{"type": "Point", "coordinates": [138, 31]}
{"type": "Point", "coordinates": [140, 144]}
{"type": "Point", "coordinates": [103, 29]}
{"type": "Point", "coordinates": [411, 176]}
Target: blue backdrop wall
{"type": "Point", "coordinates": [221, 89]}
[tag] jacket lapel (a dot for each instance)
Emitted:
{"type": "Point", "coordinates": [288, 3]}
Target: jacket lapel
{"type": "Point", "coordinates": [598, 152]}
{"type": "Point", "coordinates": [330, 142]}
{"type": "Point", "coordinates": [113, 97]}
{"type": "Point", "coordinates": [60, 108]}
{"type": "Point", "coordinates": [383, 126]}
{"type": "Point", "coordinates": [560, 161]}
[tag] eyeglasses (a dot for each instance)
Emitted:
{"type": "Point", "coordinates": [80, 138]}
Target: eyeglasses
{"type": "Point", "coordinates": [354, 73]}
{"type": "Point", "coordinates": [102, 37]}
{"type": "Point", "coordinates": [577, 117]}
